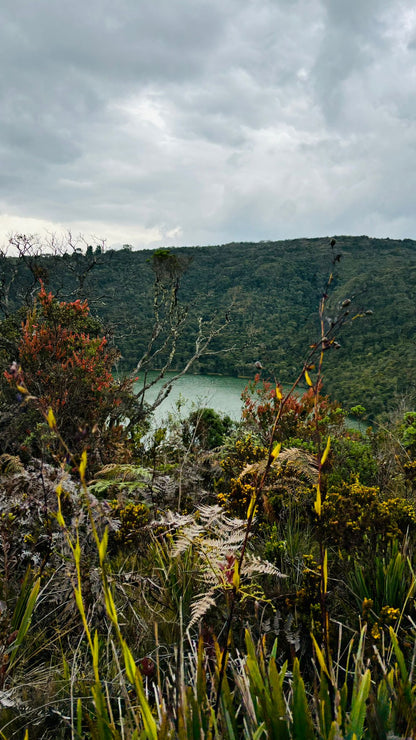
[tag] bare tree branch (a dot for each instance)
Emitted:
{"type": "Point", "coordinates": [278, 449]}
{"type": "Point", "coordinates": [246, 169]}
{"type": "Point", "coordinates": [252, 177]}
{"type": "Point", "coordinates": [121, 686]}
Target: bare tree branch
{"type": "Point", "coordinates": [169, 324]}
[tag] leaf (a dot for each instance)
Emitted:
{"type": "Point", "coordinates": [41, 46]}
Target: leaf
{"type": "Point", "coordinates": [326, 451]}
{"type": "Point", "coordinates": [308, 380]}
{"type": "Point", "coordinates": [95, 651]}
{"type": "Point", "coordinates": [129, 663]}
{"type": "Point", "coordinates": [279, 718]}
{"type": "Point", "coordinates": [79, 716]}
{"type": "Point", "coordinates": [279, 394]}
{"type": "Point", "coordinates": [103, 546]}
{"type": "Point", "coordinates": [200, 606]}
{"type": "Point", "coordinates": [79, 601]}
{"type": "Point", "coordinates": [261, 730]}
{"type": "Point", "coordinates": [110, 606]}
{"type": "Point", "coordinates": [77, 552]}
{"type": "Point", "coordinates": [60, 519]}
{"type": "Point", "coordinates": [51, 419]}
{"type": "Point", "coordinates": [325, 571]}
{"type": "Point", "coordinates": [324, 707]}
{"type": "Point", "coordinates": [22, 389]}
{"type": "Point", "coordinates": [302, 721]}
{"type": "Point", "coordinates": [236, 576]}
{"type": "Point", "coordinates": [251, 505]}
{"type": "Point", "coordinates": [201, 676]}
{"type": "Point", "coordinates": [317, 504]}
{"type": "Point", "coordinates": [358, 709]}
{"type": "Point", "coordinates": [399, 657]}
{"type": "Point", "coordinates": [133, 674]}
{"type": "Point", "coordinates": [276, 450]}
{"type": "Point", "coordinates": [26, 619]}
{"type": "Point", "coordinates": [320, 657]}
{"type": "Point", "coordinates": [83, 466]}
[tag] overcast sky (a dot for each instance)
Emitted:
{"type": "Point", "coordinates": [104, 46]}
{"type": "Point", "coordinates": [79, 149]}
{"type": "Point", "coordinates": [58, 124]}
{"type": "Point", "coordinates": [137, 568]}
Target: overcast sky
{"type": "Point", "coordinates": [167, 122]}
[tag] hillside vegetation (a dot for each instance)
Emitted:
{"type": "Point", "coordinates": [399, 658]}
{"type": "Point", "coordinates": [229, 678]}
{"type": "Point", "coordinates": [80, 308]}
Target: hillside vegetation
{"type": "Point", "coordinates": [270, 290]}
{"type": "Point", "coordinates": [206, 579]}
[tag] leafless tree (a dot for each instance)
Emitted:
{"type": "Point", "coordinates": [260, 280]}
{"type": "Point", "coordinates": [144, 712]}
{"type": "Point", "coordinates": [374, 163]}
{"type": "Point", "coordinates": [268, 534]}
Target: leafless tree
{"type": "Point", "coordinates": [80, 257]}
{"type": "Point", "coordinates": [9, 269]}
{"type": "Point", "coordinates": [170, 320]}
{"type": "Point", "coordinates": [41, 257]}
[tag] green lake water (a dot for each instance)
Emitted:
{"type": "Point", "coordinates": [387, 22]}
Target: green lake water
{"type": "Point", "coordinates": [219, 392]}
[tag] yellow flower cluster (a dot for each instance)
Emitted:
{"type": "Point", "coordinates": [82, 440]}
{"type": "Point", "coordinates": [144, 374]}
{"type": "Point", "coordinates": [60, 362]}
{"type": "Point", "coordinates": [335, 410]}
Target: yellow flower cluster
{"type": "Point", "coordinates": [375, 631]}
{"type": "Point", "coordinates": [245, 451]}
{"type": "Point", "coordinates": [367, 605]}
{"type": "Point", "coordinates": [389, 615]}
{"type": "Point", "coordinates": [133, 517]}
{"type": "Point", "coordinates": [237, 499]}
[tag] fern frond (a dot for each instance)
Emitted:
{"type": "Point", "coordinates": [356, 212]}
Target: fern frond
{"type": "Point", "coordinates": [124, 473]}
{"type": "Point", "coordinates": [299, 460]}
{"type": "Point", "coordinates": [303, 462]}
{"type": "Point", "coordinates": [255, 566]}
{"type": "Point", "coordinates": [217, 540]}
{"type": "Point", "coordinates": [200, 606]}
{"type": "Point", "coordinates": [11, 465]}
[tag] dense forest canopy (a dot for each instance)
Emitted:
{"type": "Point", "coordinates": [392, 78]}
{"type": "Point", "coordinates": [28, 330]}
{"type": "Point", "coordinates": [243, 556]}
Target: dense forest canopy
{"type": "Point", "coordinates": [271, 290]}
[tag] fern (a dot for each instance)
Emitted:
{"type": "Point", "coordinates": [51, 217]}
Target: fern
{"type": "Point", "coordinates": [125, 473]}
{"type": "Point", "coordinates": [293, 460]}
{"type": "Point", "coordinates": [115, 478]}
{"type": "Point", "coordinates": [217, 539]}
{"type": "Point", "coordinates": [10, 465]}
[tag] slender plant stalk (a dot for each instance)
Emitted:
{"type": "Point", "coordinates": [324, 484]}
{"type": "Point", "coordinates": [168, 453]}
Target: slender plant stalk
{"type": "Point", "coordinates": [319, 347]}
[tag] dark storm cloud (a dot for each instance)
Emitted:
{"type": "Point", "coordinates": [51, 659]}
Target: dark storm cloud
{"type": "Point", "coordinates": [205, 121]}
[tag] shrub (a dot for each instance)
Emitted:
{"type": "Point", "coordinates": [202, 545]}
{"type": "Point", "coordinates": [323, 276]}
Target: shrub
{"type": "Point", "coordinates": [134, 520]}
{"type": "Point", "coordinates": [351, 456]}
{"type": "Point", "coordinates": [207, 428]}
{"type": "Point", "coordinates": [408, 432]}
{"type": "Point", "coordinates": [65, 362]}
{"type": "Point", "coordinates": [354, 517]}
{"type": "Point", "coordinates": [297, 421]}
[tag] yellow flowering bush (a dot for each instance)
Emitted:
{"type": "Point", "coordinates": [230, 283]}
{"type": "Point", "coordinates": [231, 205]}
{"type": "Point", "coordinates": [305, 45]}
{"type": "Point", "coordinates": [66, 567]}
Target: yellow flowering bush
{"type": "Point", "coordinates": [133, 518]}
{"type": "Point", "coordinates": [354, 516]}
{"type": "Point", "coordinates": [233, 493]}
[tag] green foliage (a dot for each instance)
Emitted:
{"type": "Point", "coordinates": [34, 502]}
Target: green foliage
{"type": "Point", "coordinates": [357, 411]}
{"type": "Point", "coordinates": [134, 519]}
{"type": "Point", "coordinates": [408, 433]}
{"type": "Point", "coordinates": [120, 479]}
{"type": "Point", "coordinates": [352, 456]}
{"type": "Point", "coordinates": [234, 494]}
{"type": "Point", "coordinates": [386, 583]}
{"type": "Point", "coordinates": [207, 428]}
{"type": "Point", "coordinates": [354, 517]}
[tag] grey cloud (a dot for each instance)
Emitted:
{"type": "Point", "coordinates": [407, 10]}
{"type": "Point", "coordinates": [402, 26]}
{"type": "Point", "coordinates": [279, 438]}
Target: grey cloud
{"type": "Point", "coordinates": [261, 119]}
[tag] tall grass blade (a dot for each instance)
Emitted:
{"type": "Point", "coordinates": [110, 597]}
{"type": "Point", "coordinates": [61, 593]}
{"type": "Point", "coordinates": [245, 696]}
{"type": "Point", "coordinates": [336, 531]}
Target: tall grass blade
{"type": "Point", "coordinates": [359, 708]}
{"type": "Point", "coordinates": [302, 725]}
{"type": "Point", "coordinates": [26, 619]}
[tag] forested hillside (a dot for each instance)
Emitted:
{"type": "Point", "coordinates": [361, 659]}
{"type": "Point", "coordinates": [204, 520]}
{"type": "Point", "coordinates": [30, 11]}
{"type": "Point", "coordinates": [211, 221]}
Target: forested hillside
{"type": "Point", "coordinates": [271, 292]}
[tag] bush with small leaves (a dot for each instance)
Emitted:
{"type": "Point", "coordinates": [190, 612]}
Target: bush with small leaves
{"type": "Point", "coordinates": [65, 363]}
{"type": "Point", "coordinates": [355, 518]}
{"type": "Point", "coordinates": [133, 521]}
